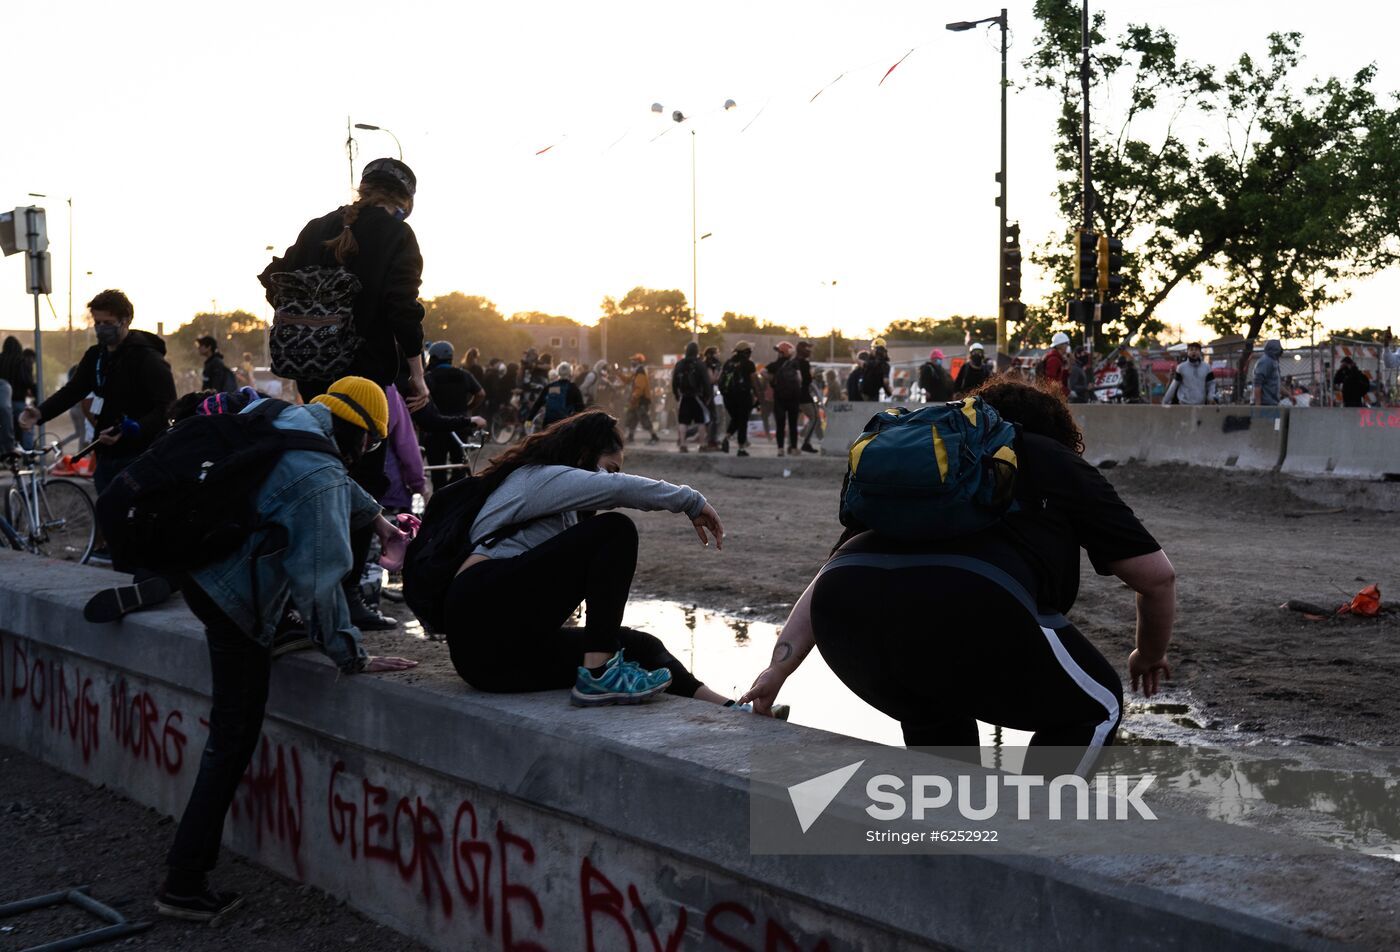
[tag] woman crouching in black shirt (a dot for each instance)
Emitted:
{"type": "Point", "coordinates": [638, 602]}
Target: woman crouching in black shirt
{"type": "Point", "coordinates": [974, 628]}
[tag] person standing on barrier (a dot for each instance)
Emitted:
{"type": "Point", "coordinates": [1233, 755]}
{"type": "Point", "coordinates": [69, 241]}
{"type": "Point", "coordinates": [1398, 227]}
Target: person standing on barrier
{"type": "Point", "coordinates": [973, 627]}
{"type": "Point", "coordinates": [1268, 377]}
{"type": "Point", "coordinates": [308, 505]}
{"type": "Point", "coordinates": [537, 561]}
{"type": "Point", "coordinates": [1193, 381]}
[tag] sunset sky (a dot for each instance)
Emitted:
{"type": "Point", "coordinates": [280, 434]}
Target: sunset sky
{"type": "Point", "coordinates": [192, 136]}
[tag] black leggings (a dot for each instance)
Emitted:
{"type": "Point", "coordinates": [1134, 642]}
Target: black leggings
{"type": "Point", "coordinates": [951, 646]}
{"type": "Point", "coordinates": [738, 410]}
{"type": "Point", "coordinates": [787, 420]}
{"type": "Point", "coordinates": [505, 617]}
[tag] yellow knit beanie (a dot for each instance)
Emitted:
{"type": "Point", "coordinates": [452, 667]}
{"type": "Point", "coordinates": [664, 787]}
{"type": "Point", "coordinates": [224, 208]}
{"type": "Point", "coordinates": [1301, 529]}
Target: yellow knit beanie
{"type": "Point", "coordinates": [358, 401]}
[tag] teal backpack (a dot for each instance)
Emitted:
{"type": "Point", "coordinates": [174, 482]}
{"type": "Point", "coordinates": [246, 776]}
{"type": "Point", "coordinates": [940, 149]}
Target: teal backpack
{"type": "Point", "coordinates": [940, 472]}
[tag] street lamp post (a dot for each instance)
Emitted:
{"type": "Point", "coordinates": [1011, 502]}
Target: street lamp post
{"type": "Point", "coordinates": [366, 126]}
{"type": "Point", "coordinates": [958, 27]}
{"type": "Point", "coordinates": [831, 350]}
{"type": "Point", "coordinates": [695, 237]}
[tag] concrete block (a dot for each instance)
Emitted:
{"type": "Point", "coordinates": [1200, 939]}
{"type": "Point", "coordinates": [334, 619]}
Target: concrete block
{"type": "Point", "coordinates": [1344, 441]}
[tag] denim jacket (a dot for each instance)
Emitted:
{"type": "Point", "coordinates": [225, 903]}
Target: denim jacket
{"type": "Point", "coordinates": [311, 505]}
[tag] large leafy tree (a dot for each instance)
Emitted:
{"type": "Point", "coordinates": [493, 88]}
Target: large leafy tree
{"type": "Point", "coordinates": [952, 330]}
{"type": "Point", "coordinates": [470, 320]}
{"type": "Point", "coordinates": [237, 332]}
{"type": "Point", "coordinates": [1282, 195]}
{"type": "Point", "coordinates": [647, 321]}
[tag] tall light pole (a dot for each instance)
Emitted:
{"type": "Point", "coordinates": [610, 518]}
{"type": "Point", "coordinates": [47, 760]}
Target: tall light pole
{"type": "Point", "coordinates": [695, 237]}
{"type": "Point", "coordinates": [958, 27]}
{"type": "Point", "coordinates": [370, 128]}
{"type": "Point", "coordinates": [831, 351]}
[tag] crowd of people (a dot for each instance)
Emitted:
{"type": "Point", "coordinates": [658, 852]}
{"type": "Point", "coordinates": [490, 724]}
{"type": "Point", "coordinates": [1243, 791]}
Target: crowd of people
{"type": "Point", "coordinates": [510, 554]}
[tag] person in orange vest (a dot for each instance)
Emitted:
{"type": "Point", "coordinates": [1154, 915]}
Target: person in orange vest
{"type": "Point", "coordinates": [639, 403]}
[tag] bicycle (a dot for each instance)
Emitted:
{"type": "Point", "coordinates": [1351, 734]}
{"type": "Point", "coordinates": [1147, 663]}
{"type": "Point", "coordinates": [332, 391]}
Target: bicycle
{"type": "Point", "coordinates": [49, 516]}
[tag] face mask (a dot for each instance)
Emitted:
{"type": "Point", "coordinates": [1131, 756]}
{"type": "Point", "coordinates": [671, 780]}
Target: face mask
{"type": "Point", "coordinates": [977, 357]}
{"type": "Point", "coordinates": [1122, 361]}
{"type": "Point", "coordinates": [937, 362]}
{"type": "Point", "coordinates": [1194, 358]}
{"type": "Point", "coordinates": [399, 214]}
{"type": "Point", "coordinates": [108, 334]}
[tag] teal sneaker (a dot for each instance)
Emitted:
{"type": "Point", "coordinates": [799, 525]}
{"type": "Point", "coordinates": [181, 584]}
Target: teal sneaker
{"type": "Point", "coordinates": [622, 682]}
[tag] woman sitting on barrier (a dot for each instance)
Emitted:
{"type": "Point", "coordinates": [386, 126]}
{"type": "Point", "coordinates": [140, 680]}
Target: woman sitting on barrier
{"type": "Point", "coordinates": [973, 628]}
{"type": "Point", "coordinates": [533, 560]}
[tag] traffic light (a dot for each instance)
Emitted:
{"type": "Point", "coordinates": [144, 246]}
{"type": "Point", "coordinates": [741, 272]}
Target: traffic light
{"type": "Point", "coordinates": [1110, 262]}
{"type": "Point", "coordinates": [1011, 263]}
{"type": "Point", "coordinates": [1086, 260]}
{"type": "Point", "coordinates": [1081, 314]}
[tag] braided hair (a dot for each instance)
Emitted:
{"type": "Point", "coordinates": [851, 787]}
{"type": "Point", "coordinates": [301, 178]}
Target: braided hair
{"type": "Point", "coordinates": [378, 192]}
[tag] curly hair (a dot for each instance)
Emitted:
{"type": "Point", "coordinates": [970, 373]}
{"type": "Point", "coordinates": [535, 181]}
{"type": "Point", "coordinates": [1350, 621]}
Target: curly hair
{"type": "Point", "coordinates": [1039, 408]}
{"type": "Point", "coordinates": [580, 440]}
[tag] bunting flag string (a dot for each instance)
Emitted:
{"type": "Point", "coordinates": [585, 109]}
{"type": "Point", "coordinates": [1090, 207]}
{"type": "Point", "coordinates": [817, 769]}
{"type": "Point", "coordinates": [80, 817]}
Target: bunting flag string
{"type": "Point", "coordinates": [892, 69]}
{"type": "Point", "coordinates": [745, 128]}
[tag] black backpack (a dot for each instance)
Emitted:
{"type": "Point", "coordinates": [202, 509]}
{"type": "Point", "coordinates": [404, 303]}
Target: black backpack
{"type": "Point", "coordinates": [443, 543]}
{"type": "Point", "coordinates": [731, 383]}
{"type": "Point", "coordinates": [688, 373]}
{"type": "Point", "coordinates": [313, 334]}
{"type": "Point", "coordinates": [787, 382]}
{"type": "Point", "coordinates": [188, 500]}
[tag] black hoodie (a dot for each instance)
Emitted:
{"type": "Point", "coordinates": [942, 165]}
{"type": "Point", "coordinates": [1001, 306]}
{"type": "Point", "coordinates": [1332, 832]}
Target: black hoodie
{"type": "Point", "coordinates": [388, 315]}
{"type": "Point", "coordinates": [133, 381]}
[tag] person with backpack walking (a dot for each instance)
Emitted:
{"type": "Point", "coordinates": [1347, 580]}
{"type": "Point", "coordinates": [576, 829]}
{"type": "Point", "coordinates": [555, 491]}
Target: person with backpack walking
{"type": "Point", "coordinates": [504, 560]}
{"type": "Point", "coordinates": [559, 399]}
{"type": "Point", "coordinates": [785, 377]}
{"type": "Point", "coordinates": [713, 368]}
{"type": "Point", "coordinates": [876, 376]}
{"type": "Point", "coordinates": [690, 381]}
{"type": "Point", "coordinates": [973, 373]}
{"type": "Point", "coordinates": [297, 553]}
{"type": "Point", "coordinates": [345, 299]}
{"type": "Point", "coordinates": [973, 585]}
{"type": "Point", "coordinates": [738, 388]}
{"type": "Point", "coordinates": [639, 401]}
{"type": "Point", "coordinates": [216, 374]}
{"type": "Point", "coordinates": [934, 379]}
{"type": "Point", "coordinates": [130, 383]}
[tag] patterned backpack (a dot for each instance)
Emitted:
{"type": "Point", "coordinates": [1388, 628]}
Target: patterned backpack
{"type": "Point", "coordinates": [313, 334]}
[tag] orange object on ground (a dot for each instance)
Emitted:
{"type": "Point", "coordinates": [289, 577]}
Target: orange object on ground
{"type": "Point", "coordinates": [1367, 603]}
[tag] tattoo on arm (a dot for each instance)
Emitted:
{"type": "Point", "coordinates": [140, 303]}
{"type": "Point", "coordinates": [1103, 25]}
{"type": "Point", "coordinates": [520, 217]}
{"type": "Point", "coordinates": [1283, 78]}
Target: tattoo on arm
{"type": "Point", "coordinates": [782, 652]}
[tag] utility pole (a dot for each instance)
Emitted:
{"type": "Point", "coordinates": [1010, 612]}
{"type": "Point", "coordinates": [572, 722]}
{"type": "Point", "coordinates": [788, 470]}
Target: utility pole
{"type": "Point", "coordinates": [1003, 357]}
{"type": "Point", "coordinates": [1087, 185]}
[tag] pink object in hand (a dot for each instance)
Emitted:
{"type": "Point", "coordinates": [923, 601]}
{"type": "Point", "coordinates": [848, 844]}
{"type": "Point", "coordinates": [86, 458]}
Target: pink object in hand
{"type": "Point", "coordinates": [391, 557]}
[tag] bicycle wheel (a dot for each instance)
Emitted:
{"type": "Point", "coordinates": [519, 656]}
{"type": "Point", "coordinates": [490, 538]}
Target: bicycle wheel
{"type": "Point", "coordinates": [503, 426]}
{"type": "Point", "coordinates": [69, 522]}
{"type": "Point", "coordinates": [17, 515]}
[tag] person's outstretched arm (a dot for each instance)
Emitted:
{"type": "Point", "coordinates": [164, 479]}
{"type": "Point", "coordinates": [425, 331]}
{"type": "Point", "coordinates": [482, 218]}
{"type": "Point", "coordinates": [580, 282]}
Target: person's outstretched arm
{"type": "Point", "coordinates": [1154, 579]}
{"type": "Point", "coordinates": [795, 643]}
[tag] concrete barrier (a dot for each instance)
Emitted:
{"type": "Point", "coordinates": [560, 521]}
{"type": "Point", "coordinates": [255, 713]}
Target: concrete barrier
{"type": "Point", "coordinates": [1338, 441]}
{"type": "Point", "coordinates": [845, 422]}
{"type": "Point", "coordinates": [1218, 436]}
{"type": "Point", "coordinates": [480, 821]}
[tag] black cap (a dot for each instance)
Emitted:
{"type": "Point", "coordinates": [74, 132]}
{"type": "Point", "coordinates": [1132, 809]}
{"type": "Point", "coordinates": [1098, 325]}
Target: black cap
{"type": "Point", "coordinates": [391, 170]}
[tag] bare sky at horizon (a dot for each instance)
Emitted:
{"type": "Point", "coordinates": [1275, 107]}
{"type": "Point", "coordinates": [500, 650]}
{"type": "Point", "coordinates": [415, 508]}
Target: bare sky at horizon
{"type": "Point", "coordinates": [191, 138]}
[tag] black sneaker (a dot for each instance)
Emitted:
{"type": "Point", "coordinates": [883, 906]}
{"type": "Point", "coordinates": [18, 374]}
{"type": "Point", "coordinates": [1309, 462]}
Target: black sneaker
{"type": "Point", "coordinates": [809, 448]}
{"type": "Point", "coordinates": [111, 604]}
{"type": "Point", "coordinates": [742, 452]}
{"type": "Point", "coordinates": [365, 616]}
{"type": "Point", "coordinates": [201, 907]}
{"type": "Point", "coordinates": [724, 447]}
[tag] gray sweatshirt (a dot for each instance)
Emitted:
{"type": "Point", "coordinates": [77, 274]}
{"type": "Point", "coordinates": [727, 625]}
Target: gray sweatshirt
{"type": "Point", "coordinates": [553, 495]}
{"type": "Point", "coordinates": [1192, 384]}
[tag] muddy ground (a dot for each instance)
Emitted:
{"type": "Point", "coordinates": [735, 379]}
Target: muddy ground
{"type": "Point", "coordinates": [61, 832]}
{"type": "Point", "coordinates": [1242, 544]}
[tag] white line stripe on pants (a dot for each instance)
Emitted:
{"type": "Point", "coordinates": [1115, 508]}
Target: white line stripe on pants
{"type": "Point", "coordinates": [1090, 687]}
